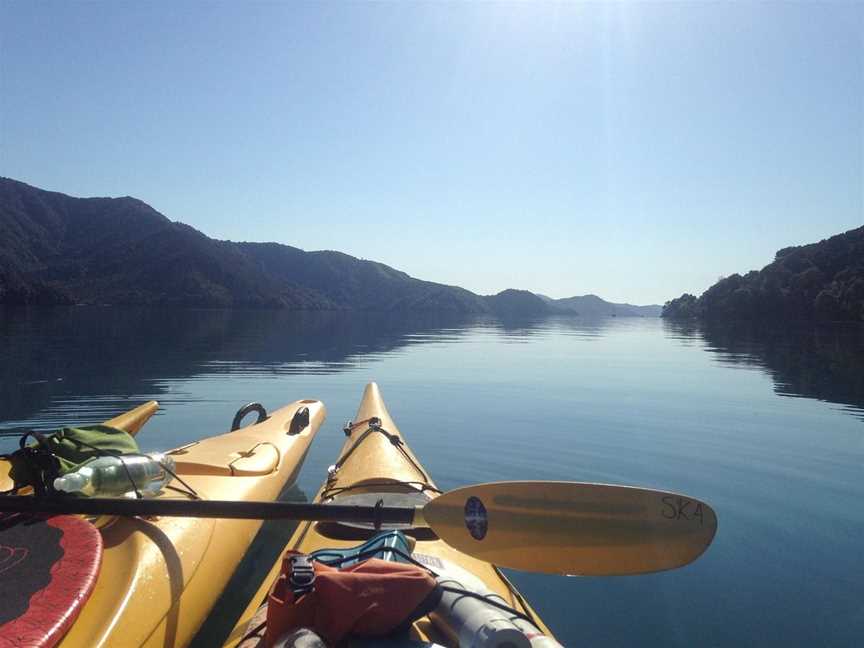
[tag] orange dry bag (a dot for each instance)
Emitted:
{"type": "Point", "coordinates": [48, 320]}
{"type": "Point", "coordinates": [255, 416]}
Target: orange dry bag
{"type": "Point", "coordinates": [372, 598]}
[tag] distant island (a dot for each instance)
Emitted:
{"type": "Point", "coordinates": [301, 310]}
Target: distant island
{"type": "Point", "coordinates": [820, 281]}
{"type": "Point", "coordinates": [57, 249]}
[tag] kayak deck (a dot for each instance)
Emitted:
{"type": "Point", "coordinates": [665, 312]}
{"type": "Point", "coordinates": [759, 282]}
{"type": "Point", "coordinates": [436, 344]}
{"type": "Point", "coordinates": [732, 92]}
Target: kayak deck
{"type": "Point", "coordinates": [160, 576]}
{"type": "Point", "coordinates": [375, 463]}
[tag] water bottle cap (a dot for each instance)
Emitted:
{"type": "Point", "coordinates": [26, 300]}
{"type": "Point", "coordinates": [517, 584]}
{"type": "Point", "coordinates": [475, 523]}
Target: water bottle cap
{"type": "Point", "coordinates": [70, 483]}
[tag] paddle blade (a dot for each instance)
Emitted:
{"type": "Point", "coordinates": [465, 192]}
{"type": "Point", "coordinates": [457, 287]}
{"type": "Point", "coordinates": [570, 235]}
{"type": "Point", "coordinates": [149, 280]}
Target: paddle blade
{"type": "Point", "coordinates": [573, 528]}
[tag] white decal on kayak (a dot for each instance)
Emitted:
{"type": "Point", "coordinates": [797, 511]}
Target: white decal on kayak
{"type": "Point", "coordinates": [429, 561]}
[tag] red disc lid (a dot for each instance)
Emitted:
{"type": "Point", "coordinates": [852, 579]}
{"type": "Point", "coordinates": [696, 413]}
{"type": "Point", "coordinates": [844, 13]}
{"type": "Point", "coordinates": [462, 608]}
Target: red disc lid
{"type": "Point", "coordinates": [48, 567]}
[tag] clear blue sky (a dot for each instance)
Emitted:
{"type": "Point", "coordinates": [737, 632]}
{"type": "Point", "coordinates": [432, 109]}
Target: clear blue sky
{"type": "Point", "coordinates": [635, 151]}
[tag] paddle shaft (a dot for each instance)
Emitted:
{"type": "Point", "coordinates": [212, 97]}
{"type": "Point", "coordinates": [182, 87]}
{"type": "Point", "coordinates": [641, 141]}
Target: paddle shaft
{"type": "Point", "coordinates": [207, 509]}
{"type": "Point", "coordinates": [550, 527]}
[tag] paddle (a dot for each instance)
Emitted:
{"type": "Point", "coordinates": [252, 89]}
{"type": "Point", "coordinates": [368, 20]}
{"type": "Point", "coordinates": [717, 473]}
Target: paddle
{"type": "Point", "coordinates": [573, 528]}
{"type": "Point", "coordinates": [550, 527]}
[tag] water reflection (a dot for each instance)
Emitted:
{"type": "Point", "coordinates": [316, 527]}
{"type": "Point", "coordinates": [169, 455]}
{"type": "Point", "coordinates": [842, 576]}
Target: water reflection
{"type": "Point", "coordinates": [522, 329]}
{"type": "Point", "coordinates": [624, 400]}
{"type": "Point", "coordinates": [249, 574]}
{"type": "Point", "coordinates": [57, 358]}
{"type": "Point", "coordinates": [48, 355]}
{"type": "Point", "coordinates": [824, 361]}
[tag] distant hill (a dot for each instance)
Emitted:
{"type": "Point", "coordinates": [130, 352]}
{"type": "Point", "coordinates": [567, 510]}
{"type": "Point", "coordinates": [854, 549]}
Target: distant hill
{"type": "Point", "coordinates": [594, 306]}
{"type": "Point", "coordinates": [58, 249]}
{"type": "Point", "coordinates": [347, 282]}
{"type": "Point", "coordinates": [823, 281]}
{"type": "Point", "coordinates": [517, 302]}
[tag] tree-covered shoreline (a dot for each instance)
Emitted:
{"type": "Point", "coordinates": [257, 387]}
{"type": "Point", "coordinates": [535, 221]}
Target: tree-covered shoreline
{"type": "Point", "coordinates": [819, 281]}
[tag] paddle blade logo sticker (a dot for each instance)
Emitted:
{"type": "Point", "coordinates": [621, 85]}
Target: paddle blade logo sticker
{"type": "Point", "coordinates": [475, 518]}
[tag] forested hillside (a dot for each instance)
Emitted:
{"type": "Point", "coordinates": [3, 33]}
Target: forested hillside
{"type": "Point", "coordinates": [58, 249]}
{"type": "Point", "coordinates": [823, 281]}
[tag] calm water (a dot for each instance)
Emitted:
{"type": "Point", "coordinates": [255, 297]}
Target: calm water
{"type": "Point", "coordinates": [766, 425]}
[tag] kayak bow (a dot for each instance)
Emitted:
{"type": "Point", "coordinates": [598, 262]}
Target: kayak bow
{"type": "Point", "coordinates": [377, 465]}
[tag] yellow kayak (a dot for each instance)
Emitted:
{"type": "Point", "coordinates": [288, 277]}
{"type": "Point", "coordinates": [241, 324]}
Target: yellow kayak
{"type": "Point", "coordinates": [375, 461]}
{"type": "Point", "coordinates": [160, 577]}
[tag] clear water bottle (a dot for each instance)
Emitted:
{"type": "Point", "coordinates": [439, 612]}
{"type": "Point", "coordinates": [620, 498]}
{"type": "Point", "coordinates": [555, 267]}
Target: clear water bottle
{"type": "Point", "coordinates": [107, 476]}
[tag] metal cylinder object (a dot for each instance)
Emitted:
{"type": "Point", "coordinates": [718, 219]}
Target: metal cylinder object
{"type": "Point", "coordinates": [473, 623]}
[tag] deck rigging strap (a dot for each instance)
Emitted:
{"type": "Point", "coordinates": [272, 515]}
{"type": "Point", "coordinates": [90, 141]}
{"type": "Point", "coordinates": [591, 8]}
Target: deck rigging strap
{"type": "Point", "coordinates": [375, 426]}
{"type": "Point", "coordinates": [419, 486]}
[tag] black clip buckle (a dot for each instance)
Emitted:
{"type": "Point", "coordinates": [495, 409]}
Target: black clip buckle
{"type": "Point", "coordinates": [302, 578]}
{"type": "Point", "coordinates": [377, 519]}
